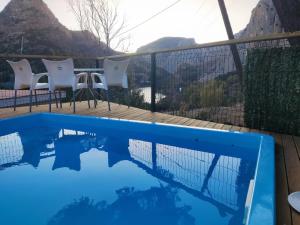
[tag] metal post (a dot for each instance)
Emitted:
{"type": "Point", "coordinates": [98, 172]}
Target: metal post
{"type": "Point", "coordinates": [234, 50]}
{"type": "Point", "coordinates": [74, 96]}
{"type": "Point", "coordinates": [30, 101]}
{"type": "Point", "coordinates": [60, 102]}
{"type": "Point", "coordinates": [153, 82]}
{"type": "Point", "coordinates": [35, 97]}
{"type": "Point", "coordinates": [50, 100]}
{"type": "Point", "coordinates": [15, 100]}
{"type": "Point", "coordinates": [97, 63]}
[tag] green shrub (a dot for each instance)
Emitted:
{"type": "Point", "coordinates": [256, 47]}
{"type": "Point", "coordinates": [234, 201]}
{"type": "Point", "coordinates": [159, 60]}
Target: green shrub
{"type": "Point", "coordinates": [272, 89]}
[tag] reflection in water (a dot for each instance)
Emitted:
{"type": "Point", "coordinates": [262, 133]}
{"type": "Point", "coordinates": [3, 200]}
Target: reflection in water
{"type": "Point", "coordinates": [17, 150]}
{"type": "Point", "coordinates": [220, 180]}
{"type": "Point", "coordinates": [158, 205]}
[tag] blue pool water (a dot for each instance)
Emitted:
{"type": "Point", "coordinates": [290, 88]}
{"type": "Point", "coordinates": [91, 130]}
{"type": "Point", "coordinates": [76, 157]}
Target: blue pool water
{"type": "Point", "coordinates": [65, 173]}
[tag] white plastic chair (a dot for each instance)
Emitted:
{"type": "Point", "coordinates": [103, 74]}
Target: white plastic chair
{"type": "Point", "coordinates": [25, 79]}
{"type": "Point", "coordinates": [294, 200]}
{"type": "Point", "coordinates": [61, 75]}
{"type": "Point", "coordinates": [114, 75]}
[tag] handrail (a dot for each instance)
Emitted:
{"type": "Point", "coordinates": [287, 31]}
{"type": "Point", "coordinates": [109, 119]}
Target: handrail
{"type": "Point", "coordinates": [270, 37]}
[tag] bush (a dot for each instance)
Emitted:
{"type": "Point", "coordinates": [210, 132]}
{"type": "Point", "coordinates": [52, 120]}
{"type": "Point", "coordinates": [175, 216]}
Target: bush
{"type": "Point", "coordinates": [272, 90]}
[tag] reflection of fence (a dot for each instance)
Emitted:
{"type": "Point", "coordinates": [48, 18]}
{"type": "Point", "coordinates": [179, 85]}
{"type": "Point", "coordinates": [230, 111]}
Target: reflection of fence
{"type": "Point", "coordinates": [220, 179]}
{"type": "Point", "coordinates": [210, 175]}
{"type": "Point", "coordinates": [201, 81]}
{"type": "Point", "coordinates": [11, 149]}
{"type": "Point", "coordinates": [141, 151]}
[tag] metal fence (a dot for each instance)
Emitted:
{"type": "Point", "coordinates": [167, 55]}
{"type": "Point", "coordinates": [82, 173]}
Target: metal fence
{"type": "Point", "coordinates": [202, 82]}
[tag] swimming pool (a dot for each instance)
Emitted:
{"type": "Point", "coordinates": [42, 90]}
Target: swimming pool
{"type": "Point", "coordinates": [63, 170]}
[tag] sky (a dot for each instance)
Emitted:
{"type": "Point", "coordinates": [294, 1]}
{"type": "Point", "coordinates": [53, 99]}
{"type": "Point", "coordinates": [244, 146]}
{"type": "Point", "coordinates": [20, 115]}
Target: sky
{"type": "Point", "coordinates": [198, 19]}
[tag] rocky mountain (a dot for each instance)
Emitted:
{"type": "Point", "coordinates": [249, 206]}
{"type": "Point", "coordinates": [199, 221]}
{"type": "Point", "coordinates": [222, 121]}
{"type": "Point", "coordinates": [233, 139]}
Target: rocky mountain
{"type": "Point", "coordinates": [167, 43]}
{"type": "Point", "coordinates": [288, 11]}
{"type": "Point", "coordinates": [42, 33]}
{"type": "Point", "coordinates": [264, 20]}
{"type": "Point", "coordinates": [167, 61]}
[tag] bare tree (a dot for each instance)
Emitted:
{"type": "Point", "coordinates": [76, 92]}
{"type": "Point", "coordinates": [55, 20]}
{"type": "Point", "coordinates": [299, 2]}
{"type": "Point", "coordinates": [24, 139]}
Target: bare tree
{"type": "Point", "coordinates": [101, 18]}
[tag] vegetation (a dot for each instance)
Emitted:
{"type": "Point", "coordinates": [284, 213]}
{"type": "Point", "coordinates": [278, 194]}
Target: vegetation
{"type": "Point", "coordinates": [157, 205]}
{"type": "Point", "coordinates": [272, 90]}
{"type": "Point", "coordinates": [101, 18]}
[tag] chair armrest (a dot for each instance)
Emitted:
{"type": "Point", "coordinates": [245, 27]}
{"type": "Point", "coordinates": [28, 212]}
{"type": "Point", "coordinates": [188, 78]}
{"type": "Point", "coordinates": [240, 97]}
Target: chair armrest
{"type": "Point", "coordinates": [102, 79]}
{"type": "Point", "coordinates": [79, 75]}
{"type": "Point", "coordinates": [125, 80]}
{"type": "Point", "coordinates": [36, 78]}
{"type": "Point", "coordinates": [39, 75]}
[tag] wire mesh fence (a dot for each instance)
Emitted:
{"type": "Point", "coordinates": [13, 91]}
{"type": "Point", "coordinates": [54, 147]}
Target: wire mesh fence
{"type": "Point", "coordinates": [203, 83]}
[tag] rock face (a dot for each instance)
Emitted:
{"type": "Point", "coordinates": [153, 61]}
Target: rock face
{"type": "Point", "coordinates": [42, 33]}
{"type": "Point", "coordinates": [168, 61]}
{"type": "Point", "coordinates": [264, 20]}
{"type": "Point", "coordinates": [167, 43]}
{"type": "Point", "coordinates": [288, 11]}
{"type": "Point", "coordinates": [215, 61]}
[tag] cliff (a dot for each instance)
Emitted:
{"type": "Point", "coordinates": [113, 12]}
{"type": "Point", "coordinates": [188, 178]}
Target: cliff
{"type": "Point", "coordinates": [42, 32]}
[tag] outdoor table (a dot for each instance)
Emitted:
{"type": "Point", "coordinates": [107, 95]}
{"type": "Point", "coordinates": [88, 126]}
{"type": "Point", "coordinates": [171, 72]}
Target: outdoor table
{"type": "Point", "coordinates": [90, 89]}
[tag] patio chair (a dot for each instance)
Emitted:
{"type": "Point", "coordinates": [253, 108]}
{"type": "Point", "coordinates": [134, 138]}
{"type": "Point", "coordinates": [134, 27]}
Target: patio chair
{"type": "Point", "coordinates": [25, 79]}
{"type": "Point", "coordinates": [61, 75]}
{"type": "Point", "coordinates": [294, 200]}
{"type": "Point", "coordinates": [114, 76]}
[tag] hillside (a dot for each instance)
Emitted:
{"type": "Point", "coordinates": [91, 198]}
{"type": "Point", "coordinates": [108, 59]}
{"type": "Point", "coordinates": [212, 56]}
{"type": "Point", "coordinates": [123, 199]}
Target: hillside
{"type": "Point", "coordinates": [167, 43]}
{"type": "Point", "coordinates": [42, 32]}
{"type": "Point", "coordinates": [264, 20]}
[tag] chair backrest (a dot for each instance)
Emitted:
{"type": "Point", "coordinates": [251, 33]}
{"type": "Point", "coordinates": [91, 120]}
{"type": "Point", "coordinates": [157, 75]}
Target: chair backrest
{"type": "Point", "coordinates": [115, 72]}
{"type": "Point", "coordinates": [23, 73]}
{"type": "Point", "coordinates": [60, 73]}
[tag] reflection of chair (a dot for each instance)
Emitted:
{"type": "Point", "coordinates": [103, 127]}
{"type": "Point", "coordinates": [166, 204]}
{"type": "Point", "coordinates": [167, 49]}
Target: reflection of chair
{"type": "Point", "coordinates": [67, 151]}
{"type": "Point", "coordinates": [25, 79]}
{"type": "Point", "coordinates": [114, 75]}
{"type": "Point", "coordinates": [71, 145]}
{"type": "Point", "coordinates": [25, 148]}
{"type": "Point", "coordinates": [61, 75]}
{"type": "Point", "coordinates": [32, 152]}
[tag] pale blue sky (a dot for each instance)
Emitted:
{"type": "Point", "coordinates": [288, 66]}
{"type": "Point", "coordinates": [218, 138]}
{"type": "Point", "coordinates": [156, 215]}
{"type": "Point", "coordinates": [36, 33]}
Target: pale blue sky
{"type": "Point", "coordinates": [199, 19]}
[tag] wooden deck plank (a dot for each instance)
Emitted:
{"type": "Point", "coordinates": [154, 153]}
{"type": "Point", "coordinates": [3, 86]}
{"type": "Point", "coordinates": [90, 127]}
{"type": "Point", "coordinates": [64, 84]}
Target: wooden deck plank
{"type": "Point", "coordinates": [297, 142]}
{"type": "Point", "coordinates": [182, 121]}
{"type": "Point", "coordinates": [218, 126]}
{"type": "Point", "coordinates": [210, 125]}
{"type": "Point", "coordinates": [227, 127]}
{"type": "Point", "coordinates": [244, 129]}
{"type": "Point", "coordinates": [292, 163]}
{"type": "Point", "coordinates": [190, 123]}
{"type": "Point", "coordinates": [235, 128]}
{"type": "Point", "coordinates": [284, 216]}
{"type": "Point", "coordinates": [202, 123]}
{"type": "Point", "coordinates": [173, 119]}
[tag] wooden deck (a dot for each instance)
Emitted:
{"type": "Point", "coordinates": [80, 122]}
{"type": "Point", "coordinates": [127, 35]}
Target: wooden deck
{"type": "Point", "coordinates": [287, 146]}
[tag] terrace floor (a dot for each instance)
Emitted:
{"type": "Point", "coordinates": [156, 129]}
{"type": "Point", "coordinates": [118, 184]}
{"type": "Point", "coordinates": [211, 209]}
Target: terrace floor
{"type": "Point", "coordinates": [287, 146]}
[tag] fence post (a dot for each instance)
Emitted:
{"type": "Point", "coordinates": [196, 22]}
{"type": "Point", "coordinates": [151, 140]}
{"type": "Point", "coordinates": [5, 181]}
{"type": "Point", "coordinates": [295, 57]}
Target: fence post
{"type": "Point", "coordinates": [153, 82]}
{"type": "Point", "coordinates": [233, 47]}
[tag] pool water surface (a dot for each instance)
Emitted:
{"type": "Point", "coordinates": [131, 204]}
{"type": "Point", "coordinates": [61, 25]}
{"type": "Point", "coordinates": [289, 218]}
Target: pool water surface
{"type": "Point", "coordinates": [64, 174]}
